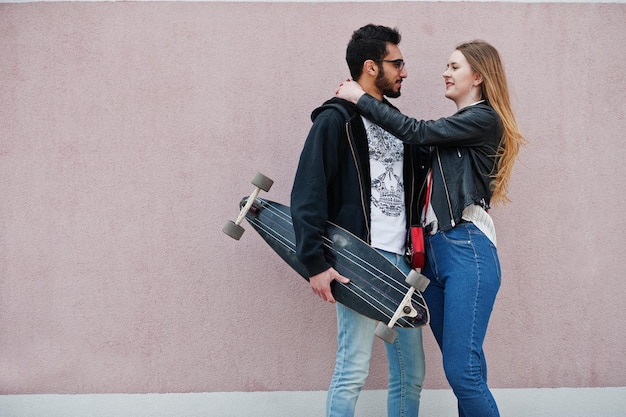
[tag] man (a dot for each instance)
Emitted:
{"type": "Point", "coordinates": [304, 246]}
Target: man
{"type": "Point", "coordinates": [362, 178]}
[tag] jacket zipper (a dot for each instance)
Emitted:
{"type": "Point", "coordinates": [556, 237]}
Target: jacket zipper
{"type": "Point", "coordinates": [445, 186]}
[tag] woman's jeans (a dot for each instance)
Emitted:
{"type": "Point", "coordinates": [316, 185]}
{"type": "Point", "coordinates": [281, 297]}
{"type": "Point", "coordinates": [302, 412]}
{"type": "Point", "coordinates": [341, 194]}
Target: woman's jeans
{"type": "Point", "coordinates": [405, 357]}
{"type": "Point", "coordinates": [464, 270]}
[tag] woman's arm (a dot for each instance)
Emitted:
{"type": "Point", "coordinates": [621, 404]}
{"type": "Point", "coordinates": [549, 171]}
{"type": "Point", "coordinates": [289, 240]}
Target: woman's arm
{"type": "Point", "coordinates": [467, 127]}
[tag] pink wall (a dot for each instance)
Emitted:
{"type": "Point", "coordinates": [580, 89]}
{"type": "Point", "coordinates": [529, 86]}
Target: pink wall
{"type": "Point", "coordinates": [129, 132]}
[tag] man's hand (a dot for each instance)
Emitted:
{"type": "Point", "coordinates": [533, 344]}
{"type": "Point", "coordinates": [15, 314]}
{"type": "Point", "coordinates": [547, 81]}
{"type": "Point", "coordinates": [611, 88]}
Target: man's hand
{"type": "Point", "coordinates": [320, 283]}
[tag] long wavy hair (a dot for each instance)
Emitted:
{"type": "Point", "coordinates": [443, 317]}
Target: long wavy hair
{"type": "Point", "coordinates": [485, 60]}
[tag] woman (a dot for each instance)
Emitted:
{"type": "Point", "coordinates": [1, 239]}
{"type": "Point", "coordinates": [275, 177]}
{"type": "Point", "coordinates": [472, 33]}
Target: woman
{"type": "Point", "coordinates": [472, 156]}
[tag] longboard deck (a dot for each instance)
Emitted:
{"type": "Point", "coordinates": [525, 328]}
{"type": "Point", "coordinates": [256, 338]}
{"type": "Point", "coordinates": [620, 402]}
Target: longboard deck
{"type": "Point", "coordinates": [376, 286]}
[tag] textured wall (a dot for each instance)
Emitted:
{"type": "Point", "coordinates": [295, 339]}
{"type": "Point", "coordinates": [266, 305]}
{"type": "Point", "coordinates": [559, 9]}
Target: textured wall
{"type": "Point", "coordinates": [129, 132]}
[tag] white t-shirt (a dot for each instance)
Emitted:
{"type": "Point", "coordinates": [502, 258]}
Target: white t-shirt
{"type": "Point", "coordinates": [386, 154]}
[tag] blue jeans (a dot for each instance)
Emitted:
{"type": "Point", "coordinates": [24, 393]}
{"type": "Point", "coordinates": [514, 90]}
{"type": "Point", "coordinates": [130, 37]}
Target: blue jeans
{"type": "Point", "coordinates": [464, 270]}
{"type": "Point", "coordinates": [405, 358]}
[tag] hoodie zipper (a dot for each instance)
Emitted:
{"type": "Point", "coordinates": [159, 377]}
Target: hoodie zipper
{"type": "Point", "coordinates": [361, 188]}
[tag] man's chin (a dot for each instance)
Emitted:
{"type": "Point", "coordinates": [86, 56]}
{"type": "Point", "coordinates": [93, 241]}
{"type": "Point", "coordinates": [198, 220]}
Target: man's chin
{"type": "Point", "coordinates": [393, 94]}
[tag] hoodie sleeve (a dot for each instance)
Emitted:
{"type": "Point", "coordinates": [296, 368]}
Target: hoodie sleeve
{"type": "Point", "coordinates": [317, 168]}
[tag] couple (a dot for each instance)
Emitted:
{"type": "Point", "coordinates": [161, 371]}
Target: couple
{"type": "Point", "coordinates": [374, 171]}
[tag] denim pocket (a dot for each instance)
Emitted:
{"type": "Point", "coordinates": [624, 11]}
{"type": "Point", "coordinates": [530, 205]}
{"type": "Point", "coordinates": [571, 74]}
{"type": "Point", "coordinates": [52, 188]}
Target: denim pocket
{"type": "Point", "coordinates": [459, 235]}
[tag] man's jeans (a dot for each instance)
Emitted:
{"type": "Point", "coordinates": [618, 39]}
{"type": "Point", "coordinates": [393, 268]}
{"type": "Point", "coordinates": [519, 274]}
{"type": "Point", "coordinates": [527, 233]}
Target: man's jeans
{"type": "Point", "coordinates": [405, 358]}
{"type": "Point", "coordinates": [465, 274]}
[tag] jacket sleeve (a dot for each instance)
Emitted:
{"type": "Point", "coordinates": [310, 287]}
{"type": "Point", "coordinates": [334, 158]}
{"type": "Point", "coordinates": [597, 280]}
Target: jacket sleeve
{"type": "Point", "coordinates": [467, 127]}
{"type": "Point", "coordinates": [317, 167]}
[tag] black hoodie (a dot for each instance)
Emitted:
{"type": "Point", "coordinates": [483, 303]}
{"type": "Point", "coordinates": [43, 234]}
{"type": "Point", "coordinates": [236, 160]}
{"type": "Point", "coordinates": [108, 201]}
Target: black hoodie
{"type": "Point", "coordinates": [332, 182]}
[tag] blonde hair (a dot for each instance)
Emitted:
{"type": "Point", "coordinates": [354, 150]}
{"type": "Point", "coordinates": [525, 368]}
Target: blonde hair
{"type": "Point", "coordinates": [485, 60]}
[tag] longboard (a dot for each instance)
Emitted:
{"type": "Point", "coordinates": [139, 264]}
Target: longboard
{"type": "Point", "coordinates": [377, 288]}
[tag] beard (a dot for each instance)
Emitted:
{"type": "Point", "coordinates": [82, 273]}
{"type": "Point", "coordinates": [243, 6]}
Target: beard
{"type": "Point", "coordinates": [386, 86]}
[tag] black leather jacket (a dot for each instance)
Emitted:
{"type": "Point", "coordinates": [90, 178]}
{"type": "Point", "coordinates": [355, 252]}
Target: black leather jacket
{"type": "Point", "coordinates": [463, 160]}
{"type": "Point", "coordinates": [333, 181]}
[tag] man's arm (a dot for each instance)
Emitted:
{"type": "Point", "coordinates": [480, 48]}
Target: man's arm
{"type": "Point", "coordinates": [317, 167]}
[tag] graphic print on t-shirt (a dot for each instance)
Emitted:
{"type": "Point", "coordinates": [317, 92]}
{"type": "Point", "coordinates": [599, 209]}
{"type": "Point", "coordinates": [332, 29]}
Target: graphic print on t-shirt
{"type": "Point", "coordinates": [388, 217]}
{"type": "Point", "coordinates": [386, 154]}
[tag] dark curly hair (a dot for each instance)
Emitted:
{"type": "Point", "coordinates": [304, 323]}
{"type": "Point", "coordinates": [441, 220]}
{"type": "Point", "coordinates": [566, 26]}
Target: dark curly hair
{"type": "Point", "coordinates": [369, 42]}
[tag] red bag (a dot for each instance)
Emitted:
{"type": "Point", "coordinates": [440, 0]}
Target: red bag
{"type": "Point", "coordinates": [416, 247]}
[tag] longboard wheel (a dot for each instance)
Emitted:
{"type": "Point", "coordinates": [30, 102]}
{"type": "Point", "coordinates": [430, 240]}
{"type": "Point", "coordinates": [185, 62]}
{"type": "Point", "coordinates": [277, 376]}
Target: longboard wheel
{"type": "Point", "coordinates": [263, 182]}
{"type": "Point", "coordinates": [417, 280]}
{"type": "Point", "coordinates": [233, 230]}
{"type": "Point", "coordinates": [385, 332]}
